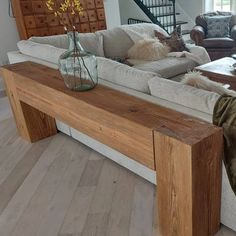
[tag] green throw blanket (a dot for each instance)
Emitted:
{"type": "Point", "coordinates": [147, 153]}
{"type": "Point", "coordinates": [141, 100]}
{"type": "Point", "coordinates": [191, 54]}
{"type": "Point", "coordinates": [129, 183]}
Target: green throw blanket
{"type": "Point", "coordinates": [225, 117]}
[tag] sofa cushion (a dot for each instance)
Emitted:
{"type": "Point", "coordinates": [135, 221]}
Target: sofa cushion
{"type": "Point", "coordinates": [45, 52]}
{"type": "Point", "coordinates": [147, 29]}
{"type": "Point", "coordinates": [116, 43]}
{"type": "Point", "coordinates": [119, 40]}
{"type": "Point", "coordinates": [218, 26]}
{"type": "Point", "coordinates": [90, 42]}
{"type": "Point", "coordinates": [168, 67]}
{"type": "Point", "coordinates": [59, 41]}
{"type": "Point", "coordinates": [185, 95]}
{"type": "Point", "coordinates": [218, 43]}
{"type": "Point", "coordinates": [124, 75]}
{"type": "Point", "coordinates": [200, 20]}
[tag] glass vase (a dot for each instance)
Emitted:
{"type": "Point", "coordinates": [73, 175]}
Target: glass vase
{"type": "Point", "coordinates": [77, 66]}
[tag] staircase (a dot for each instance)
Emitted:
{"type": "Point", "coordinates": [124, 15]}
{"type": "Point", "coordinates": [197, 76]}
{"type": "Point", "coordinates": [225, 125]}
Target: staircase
{"type": "Point", "coordinates": [160, 12]}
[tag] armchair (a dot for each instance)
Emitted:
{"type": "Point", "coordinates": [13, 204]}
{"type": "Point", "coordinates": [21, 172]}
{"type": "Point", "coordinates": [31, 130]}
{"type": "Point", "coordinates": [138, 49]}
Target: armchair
{"type": "Point", "coordinates": [216, 47]}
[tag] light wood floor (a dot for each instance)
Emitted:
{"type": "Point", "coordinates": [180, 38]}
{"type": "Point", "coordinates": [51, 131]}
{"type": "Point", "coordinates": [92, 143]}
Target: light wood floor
{"type": "Point", "coordinates": [59, 187]}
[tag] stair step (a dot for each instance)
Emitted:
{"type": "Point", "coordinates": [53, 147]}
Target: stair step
{"type": "Point", "coordinates": [184, 32]}
{"type": "Point", "coordinates": [177, 23]}
{"type": "Point", "coordinates": [160, 5]}
{"type": "Point", "coordinates": [167, 14]}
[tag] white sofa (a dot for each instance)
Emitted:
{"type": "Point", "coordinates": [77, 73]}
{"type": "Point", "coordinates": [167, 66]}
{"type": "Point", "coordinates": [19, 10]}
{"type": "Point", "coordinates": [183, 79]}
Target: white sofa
{"type": "Point", "coordinates": [152, 81]}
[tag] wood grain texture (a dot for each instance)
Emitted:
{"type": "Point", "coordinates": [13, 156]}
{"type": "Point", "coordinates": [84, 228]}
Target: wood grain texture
{"type": "Point", "coordinates": [31, 123]}
{"type": "Point", "coordinates": [19, 19]}
{"type": "Point", "coordinates": [189, 184]}
{"type": "Point", "coordinates": [122, 122]}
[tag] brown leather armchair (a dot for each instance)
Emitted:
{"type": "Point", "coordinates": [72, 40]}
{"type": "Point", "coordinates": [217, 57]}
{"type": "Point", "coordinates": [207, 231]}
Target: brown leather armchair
{"type": "Point", "coordinates": [216, 47]}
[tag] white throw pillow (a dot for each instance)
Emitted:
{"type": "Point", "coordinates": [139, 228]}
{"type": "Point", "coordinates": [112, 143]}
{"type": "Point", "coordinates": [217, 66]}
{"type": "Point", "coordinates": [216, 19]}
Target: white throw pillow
{"type": "Point", "coordinates": [124, 75]}
{"type": "Point", "coordinates": [45, 52]}
{"type": "Point", "coordinates": [148, 50]}
{"type": "Point", "coordinates": [91, 42]}
{"type": "Point", "coordinates": [184, 95]}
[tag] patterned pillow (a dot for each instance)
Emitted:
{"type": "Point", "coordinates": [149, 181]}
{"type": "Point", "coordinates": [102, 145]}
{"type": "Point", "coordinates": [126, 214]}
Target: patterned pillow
{"type": "Point", "coordinates": [218, 26]}
{"type": "Point", "coordinates": [174, 41]}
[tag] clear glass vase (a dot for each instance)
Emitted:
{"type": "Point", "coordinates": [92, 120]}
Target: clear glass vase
{"type": "Point", "coordinates": [78, 67]}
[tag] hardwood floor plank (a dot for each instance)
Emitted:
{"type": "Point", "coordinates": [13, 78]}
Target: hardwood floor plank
{"type": "Point", "coordinates": [91, 173]}
{"type": "Point", "coordinates": [3, 93]}
{"type": "Point", "coordinates": [142, 212]}
{"type": "Point", "coordinates": [8, 132]}
{"type": "Point", "coordinates": [106, 188]}
{"type": "Point", "coordinates": [95, 156]}
{"type": "Point", "coordinates": [63, 196]}
{"type": "Point", "coordinates": [21, 199]}
{"type": "Point", "coordinates": [76, 216]}
{"type": "Point", "coordinates": [9, 186]}
{"type": "Point", "coordinates": [69, 235]}
{"type": "Point", "coordinates": [96, 225]}
{"type": "Point", "coordinates": [5, 110]}
{"type": "Point", "coordinates": [119, 219]}
{"type": "Point", "coordinates": [35, 212]}
{"type": "Point", "coordinates": [11, 156]}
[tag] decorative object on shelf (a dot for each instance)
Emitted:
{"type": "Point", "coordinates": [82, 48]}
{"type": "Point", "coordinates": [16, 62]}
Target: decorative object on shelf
{"type": "Point", "coordinates": [78, 67]}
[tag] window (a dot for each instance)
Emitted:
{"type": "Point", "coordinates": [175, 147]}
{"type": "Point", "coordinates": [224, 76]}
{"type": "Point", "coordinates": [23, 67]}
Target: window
{"type": "Point", "coordinates": [223, 5]}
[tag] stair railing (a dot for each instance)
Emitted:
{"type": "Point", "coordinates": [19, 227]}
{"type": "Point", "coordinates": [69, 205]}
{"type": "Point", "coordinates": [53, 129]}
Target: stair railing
{"type": "Point", "coordinates": [160, 12]}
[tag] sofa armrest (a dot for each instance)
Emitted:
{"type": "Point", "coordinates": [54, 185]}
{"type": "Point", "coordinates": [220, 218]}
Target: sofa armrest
{"type": "Point", "coordinates": [198, 34]}
{"type": "Point", "coordinates": [233, 33]}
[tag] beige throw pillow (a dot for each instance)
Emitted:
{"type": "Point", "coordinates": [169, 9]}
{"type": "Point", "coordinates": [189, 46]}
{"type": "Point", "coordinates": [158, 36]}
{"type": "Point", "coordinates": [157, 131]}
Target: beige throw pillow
{"type": "Point", "coordinates": [148, 50]}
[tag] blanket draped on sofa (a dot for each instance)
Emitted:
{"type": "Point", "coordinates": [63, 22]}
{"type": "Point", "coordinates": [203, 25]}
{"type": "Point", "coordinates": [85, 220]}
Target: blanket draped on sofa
{"type": "Point", "coordinates": [225, 116]}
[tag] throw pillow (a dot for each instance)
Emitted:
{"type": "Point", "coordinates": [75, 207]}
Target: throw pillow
{"type": "Point", "coordinates": [218, 26]}
{"type": "Point", "coordinates": [174, 41]}
{"type": "Point", "coordinates": [148, 50]}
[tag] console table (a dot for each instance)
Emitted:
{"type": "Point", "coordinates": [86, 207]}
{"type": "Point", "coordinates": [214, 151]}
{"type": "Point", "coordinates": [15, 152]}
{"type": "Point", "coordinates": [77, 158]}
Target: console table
{"type": "Point", "coordinates": [185, 152]}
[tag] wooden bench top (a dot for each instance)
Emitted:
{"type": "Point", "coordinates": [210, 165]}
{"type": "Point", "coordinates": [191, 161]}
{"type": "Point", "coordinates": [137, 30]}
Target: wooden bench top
{"type": "Point", "coordinates": [155, 117]}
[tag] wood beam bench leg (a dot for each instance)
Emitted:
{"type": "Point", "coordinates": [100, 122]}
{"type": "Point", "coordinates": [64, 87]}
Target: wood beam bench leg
{"type": "Point", "coordinates": [188, 185]}
{"type": "Point", "coordinates": [31, 123]}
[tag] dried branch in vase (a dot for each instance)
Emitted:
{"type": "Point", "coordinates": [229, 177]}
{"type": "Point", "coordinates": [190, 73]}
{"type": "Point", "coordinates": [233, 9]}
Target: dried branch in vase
{"type": "Point", "coordinates": [67, 11]}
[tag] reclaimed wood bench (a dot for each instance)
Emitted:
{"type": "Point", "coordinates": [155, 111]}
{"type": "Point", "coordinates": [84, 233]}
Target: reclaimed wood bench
{"type": "Point", "coordinates": [185, 152]}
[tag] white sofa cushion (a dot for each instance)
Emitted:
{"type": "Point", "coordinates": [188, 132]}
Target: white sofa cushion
{"type": "Point", "coordinates": [185, 95]}
{"type": "Point", "coordinates": [124, 75]}
{"type": "Point", "coordinates": [91, 42]}
{"type": "Point", "coordinates": [59, 41]}
{"type": "Point", "coordinates": [167, 67]}
{"type": "Point", "coordinates": [116, 42]}
{"type": "Point", "coordinates": [45, 52]}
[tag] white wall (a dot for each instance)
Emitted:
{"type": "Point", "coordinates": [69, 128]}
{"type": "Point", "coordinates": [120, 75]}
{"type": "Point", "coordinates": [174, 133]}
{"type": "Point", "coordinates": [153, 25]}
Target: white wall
{"type": "Point", "coordinates": [189, 9]}
{"type": "Point", "coordinates": [112, 10]}
{"type": "Point", "coordinates": [8, 34]}
{"type": "Point", "coordinates": [129, 9]}
{"type": "Point", "coordinates": [192, 8]}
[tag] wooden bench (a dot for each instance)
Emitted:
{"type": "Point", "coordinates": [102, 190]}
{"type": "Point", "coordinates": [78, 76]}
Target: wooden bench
{"type": "Point", "coordinates": [185, 152]}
